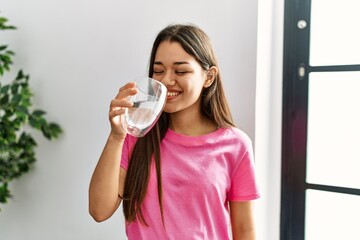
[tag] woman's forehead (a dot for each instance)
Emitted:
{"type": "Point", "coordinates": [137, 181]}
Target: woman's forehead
{"type": "Point", "coordinates": [172, 52]}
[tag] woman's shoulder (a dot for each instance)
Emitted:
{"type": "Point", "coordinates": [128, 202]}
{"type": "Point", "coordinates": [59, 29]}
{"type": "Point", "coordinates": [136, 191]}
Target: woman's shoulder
{"type": "Point", "coordinates": [237, 135]}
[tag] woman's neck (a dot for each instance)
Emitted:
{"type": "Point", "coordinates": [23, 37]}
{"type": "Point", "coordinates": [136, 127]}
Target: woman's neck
{"type": "Point", "coordinates": [191, 124]}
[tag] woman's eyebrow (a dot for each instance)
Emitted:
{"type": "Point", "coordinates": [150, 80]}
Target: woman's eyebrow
{"type": "Point", "coordinates": [180, 63]}
{"type": "Point", "coordinates": [175, 63]}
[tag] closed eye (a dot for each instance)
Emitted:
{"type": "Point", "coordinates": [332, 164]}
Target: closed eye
{"type": "Point", "coordinates": [181, 72]}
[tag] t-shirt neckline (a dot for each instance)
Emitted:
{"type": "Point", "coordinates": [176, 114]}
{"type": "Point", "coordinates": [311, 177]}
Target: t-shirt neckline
{"type": "Point", "coordinates": [179, 138]}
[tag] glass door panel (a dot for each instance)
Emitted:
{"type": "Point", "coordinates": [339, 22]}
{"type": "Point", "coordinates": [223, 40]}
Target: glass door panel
{"type": "Point", "coordinates": [333, 140]}
{"type": "Point", "coordinates": [332, 216]}
{"type": "Point", "coordinates": [334, 35]}
{"type": "Point", "coordinates": [321, 166]}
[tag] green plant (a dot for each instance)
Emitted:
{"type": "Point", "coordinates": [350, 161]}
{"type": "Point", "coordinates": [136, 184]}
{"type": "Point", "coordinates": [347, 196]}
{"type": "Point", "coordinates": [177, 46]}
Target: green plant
{"type": "Point", "coordinates": [17, 146]}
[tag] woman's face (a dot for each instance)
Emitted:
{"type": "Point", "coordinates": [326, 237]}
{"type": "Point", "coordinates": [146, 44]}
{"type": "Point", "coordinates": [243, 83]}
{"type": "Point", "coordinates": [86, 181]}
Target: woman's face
{"type": "Point", "coordinates": [181, 74]}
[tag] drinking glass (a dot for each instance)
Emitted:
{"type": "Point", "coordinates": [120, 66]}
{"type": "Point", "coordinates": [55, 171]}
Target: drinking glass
{"type": "Point", "coordinates": [148, 104]}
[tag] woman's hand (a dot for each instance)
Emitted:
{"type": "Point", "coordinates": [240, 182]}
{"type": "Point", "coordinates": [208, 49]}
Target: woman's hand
{"type": "Point", "coordinates": [117, 108]}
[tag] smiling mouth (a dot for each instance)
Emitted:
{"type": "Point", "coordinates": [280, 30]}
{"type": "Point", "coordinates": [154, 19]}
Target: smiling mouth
{"type": "Point", "coordinates": [172, 94]}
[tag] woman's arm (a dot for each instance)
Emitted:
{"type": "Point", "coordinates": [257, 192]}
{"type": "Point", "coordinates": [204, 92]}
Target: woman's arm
{"type": "Point", "coordinates": [242, 220]}
{"type": "Point", "coordinates": [108, 179]}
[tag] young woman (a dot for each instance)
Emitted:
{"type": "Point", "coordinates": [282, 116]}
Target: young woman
{"type": "Point", "coordinates": [192, 175]}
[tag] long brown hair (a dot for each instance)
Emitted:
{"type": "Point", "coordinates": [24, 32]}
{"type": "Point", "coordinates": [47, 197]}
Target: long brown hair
{"type": "Point", "coordinates": [213, 105]}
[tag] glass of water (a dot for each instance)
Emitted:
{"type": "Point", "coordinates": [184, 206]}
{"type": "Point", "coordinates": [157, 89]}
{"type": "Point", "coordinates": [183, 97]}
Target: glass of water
{"type": "Point", "coordinates": [148, 104]}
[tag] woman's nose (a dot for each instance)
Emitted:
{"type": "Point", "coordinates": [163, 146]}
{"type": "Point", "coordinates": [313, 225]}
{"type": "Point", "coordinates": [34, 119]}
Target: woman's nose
{"type": "Point", "coordinates": [168, 79]}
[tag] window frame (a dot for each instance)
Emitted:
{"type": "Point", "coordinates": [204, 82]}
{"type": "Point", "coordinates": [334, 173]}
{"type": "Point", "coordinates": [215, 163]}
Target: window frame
{"type": "Point", "coordinates": [294, 120]}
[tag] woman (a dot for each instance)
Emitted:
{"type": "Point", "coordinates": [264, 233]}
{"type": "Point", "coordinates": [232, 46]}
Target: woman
{"type": "Point", "coordinates": [192, 175]}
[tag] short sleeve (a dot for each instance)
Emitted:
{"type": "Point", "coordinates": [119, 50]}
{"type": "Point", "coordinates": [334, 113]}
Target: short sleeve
{"type": "Point", "coordinates": [128, 145]}
{"type": "Point", "coordinates": [243, 182]}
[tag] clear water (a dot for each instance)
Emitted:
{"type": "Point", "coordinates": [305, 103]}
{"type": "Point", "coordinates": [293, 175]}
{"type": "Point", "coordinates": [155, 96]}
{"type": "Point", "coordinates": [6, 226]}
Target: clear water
{"type": "Point", "coordinates": [147, 106]}
{"type": "Point", "coordinates": [140, 119]}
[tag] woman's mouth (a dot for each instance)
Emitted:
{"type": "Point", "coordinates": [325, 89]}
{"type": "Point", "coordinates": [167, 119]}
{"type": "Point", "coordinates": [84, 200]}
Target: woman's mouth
{"type": "Point", "coordinates": [172, 94]}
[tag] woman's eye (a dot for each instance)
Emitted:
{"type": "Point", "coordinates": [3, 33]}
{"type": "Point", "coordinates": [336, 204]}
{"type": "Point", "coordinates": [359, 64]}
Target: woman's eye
{"type": "Point", "coordinates": [181, 72]}
{"type": "Point", "coordinates": [158, 71]}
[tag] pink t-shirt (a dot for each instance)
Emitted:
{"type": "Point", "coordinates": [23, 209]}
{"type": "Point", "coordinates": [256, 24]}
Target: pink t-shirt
{"type": "Point", "coordinates": [200, 175]}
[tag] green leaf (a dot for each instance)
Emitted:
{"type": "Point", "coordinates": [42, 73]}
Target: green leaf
{"type": "Point", "coordinates": [26, 140]}
{"type": "Point", "coordinates": [20, 75]}
{"type": "Point", "coordinates": [4, 89]}
{"type": "Point", "coordinates": [4, 192]}
{"type": "Point", "coordinates": [24, 167]}
{"type": "Point", "coordinates": [3, 20]}
{"type": "Point", "coordinates": [5, 58]}
{"type": "Point", "coordinates": [46, 131]}
{"type": "Point", "coordinates": [55, 129]}
{"type": "Point", "coordinates": [16, 99]}
{"type": "Point", "coordinates": [10, 52]}
{"type": "Point", "coordinates": [7, 68]}
{"type": "Point", "coordinates": [14, 88]}
{"type": "Point", "coordinates": [3, 47]}
{"type": "Point", "coordinates": [4, 100]}
{"type": "Point", "coordinates": [34, 122]}
{"type": "Point", "coordinates": [20, 120]}
{"type": "Point", "coordinates": [3, 25]}
{"type": "Point", "coordinates": [11, 137]}
{"type": "Point", "coordinates": [21, 109]}
{"type": "Point", "coordinates": [38, 113]}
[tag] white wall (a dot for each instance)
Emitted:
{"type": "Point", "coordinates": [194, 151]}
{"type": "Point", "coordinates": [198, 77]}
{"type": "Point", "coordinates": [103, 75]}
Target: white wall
{"type": "Point", "coordinates": [78, 54]}
{"type": "Point", "coordinates": [268, 116]}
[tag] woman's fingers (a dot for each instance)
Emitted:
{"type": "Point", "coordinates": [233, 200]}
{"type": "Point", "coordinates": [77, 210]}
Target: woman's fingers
{"type": "Point", "coordinates": [121, 99]}
{"type": "Point", "coordinates": [118, 104]}
{"type": "Point", "coordinates": [115, 115]}
{"type": "Point", "coordinates": [116, 112]}
{"type": "Point", "coordinates": [127, 90]}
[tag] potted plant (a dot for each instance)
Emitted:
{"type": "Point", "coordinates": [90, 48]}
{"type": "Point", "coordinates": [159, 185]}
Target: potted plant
{"type": "Point", "coordinates": [17, 116]}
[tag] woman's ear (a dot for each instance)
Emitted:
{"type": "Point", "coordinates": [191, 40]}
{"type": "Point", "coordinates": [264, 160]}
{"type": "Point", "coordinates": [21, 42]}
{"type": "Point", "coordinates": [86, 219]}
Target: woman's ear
{"type": "Point", "coordinates": [211, 74]}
